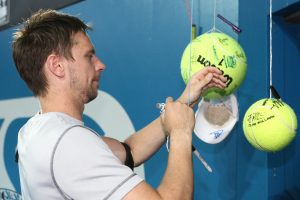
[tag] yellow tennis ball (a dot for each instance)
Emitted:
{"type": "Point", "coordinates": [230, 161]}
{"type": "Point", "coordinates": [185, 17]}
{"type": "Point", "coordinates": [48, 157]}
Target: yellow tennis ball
{"type": "Point", "coordinates": [217, 50]}
{"type": "Point", "coordinates": [270, 125]}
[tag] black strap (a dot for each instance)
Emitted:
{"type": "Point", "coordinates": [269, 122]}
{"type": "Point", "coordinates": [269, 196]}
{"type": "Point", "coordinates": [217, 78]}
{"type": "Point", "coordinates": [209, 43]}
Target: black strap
{"type": "Point", "coordinates": [129, 159]}
{"type": "Point", "coordinates": [17, 156]}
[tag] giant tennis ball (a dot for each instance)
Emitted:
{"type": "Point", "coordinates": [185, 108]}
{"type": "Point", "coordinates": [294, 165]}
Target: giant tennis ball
{"type": "Point", "coordinates": [217, 50]}
{"type": "Point", "coordinates": [270, 125]}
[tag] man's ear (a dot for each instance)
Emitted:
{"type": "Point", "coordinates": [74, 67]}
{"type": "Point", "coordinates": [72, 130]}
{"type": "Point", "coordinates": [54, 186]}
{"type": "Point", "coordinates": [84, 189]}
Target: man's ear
{"type": "Point", "coordinates": [55, 66]}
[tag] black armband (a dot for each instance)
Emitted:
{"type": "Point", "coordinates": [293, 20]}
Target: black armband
{"type": "Point", "coordinates": [17, 156]}
{"type": "Point", "coordinates": [129, 159]}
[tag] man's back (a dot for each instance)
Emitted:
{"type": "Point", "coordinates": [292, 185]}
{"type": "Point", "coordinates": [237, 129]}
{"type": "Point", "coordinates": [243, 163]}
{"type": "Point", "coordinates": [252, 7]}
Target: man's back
{"type": "Point", "coordinates": [60, 158]}
{"type": "Point", "coordinates": [36, 142]}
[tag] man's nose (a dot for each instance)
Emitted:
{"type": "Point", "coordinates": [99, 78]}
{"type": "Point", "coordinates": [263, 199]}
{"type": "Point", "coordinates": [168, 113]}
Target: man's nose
{"type": "Point", "coordinates": [99, 65]}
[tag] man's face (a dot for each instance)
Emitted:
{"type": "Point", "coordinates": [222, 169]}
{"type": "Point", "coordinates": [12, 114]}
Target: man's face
{"type": "Point", "coordinates": [85, 69]}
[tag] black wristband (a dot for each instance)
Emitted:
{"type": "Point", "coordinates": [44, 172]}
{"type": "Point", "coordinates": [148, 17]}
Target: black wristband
{"type": "Point", "coordinates": [129, 159]}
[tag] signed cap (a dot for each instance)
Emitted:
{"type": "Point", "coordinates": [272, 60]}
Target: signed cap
{"type": "Point", "coordinates": [215, 118]}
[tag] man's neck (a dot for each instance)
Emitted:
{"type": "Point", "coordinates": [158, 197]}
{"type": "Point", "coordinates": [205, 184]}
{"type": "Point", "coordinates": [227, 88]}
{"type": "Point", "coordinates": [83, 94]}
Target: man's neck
{"type": "Point", "coordinates": [60, 104]}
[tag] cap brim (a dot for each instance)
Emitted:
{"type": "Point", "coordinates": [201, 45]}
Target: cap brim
{"type": "Point", "coordinates": [212, 133]}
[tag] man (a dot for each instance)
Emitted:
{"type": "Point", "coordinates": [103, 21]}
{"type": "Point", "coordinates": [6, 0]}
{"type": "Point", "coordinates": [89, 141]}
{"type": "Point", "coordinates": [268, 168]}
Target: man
{"type": "Point", "coordinates": [60, 158]}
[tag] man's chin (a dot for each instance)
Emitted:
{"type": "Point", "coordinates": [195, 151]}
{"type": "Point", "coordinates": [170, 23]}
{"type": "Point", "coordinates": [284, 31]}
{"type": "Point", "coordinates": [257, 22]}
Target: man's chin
{"type": "Point", "coordinates": [93, 96]}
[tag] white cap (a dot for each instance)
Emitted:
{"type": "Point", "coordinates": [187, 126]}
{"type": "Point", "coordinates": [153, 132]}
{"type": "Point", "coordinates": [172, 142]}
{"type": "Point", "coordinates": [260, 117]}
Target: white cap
{"type": "Point", "coordinates": [216, 118]}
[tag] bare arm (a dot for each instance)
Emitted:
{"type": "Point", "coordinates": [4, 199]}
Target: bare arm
{"type": "Point", "coordinates": [143, 143]}
{"type": "Point", "coordinates": [148, 140]}
{"type": "Point", "coordinates": [178, 121]}
{"type": "Point", "coordinates": [178, 179]}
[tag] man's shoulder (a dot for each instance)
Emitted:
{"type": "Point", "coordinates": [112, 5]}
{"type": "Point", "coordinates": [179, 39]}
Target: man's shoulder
{"type": "Point", "coordinates": [46, 128]}
{"type": "Point", "coordinates": [53, 120]}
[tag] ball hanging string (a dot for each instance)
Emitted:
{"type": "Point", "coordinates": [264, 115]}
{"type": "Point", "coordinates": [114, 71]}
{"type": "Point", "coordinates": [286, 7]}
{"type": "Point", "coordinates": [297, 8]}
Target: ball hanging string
{"type": "Point", "coordinates": [188, 8]}
{"type": "Point", "coordinates": [188, 102]}
{"type": "Point", "coordinates": [190, 15]}
{"type": "Point", "coordinates": [270, 49]}
{"type": "Point", "coordinates": [270, 71]}
{"type": "Point", "coordinates": [192, 36]}
{"type": "Point", "coordinates": [191, 39]}
{"type": "Point", "coordinates": [214, 28]}
{"type": "Point", "coordinates": [270, 124]}
{"type": "Point", "coordinates": [214, 17]}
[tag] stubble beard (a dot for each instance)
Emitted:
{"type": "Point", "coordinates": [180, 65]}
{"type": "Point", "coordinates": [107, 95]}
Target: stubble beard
{"type": "Point", "coordinates": [91, 94]}
{"type": "Point", "coordinates": [87, 94]}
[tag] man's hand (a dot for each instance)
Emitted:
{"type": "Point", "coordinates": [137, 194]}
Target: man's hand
{"type": "Point", "coordinates": [206, 78]}
{"type": "Point", "coordinates": [177, 118]}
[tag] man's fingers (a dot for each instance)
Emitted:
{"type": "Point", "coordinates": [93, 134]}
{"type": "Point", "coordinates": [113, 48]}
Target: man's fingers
{"type": "Point", "coordinates": [217, 74]}
{"type": "Point", "coordinates": [213, 70]}
{"type": "Point", "coordinates": [207, 79]}
{"type": "Point", "coordinates": [219, 82]}
{"type": "Point", "coordinates": [220, 76]}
